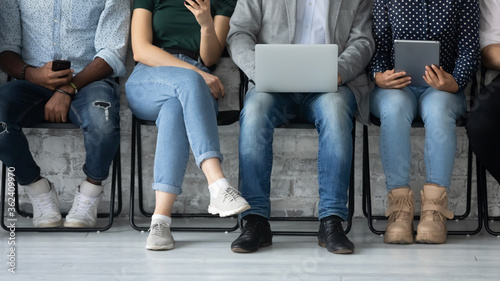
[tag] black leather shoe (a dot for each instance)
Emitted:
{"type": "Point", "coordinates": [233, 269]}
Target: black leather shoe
{"type": "Point", "coordinates": [331, 235]}
{"type": "Point", "coordinates": [256, 233]}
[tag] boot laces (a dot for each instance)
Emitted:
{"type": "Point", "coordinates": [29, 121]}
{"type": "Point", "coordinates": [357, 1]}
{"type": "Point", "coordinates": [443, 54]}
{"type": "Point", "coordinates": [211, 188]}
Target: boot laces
{"type": "Point", "coordinates": [401, 201]}
{"type": "Point", "coordinates": [434, 215]}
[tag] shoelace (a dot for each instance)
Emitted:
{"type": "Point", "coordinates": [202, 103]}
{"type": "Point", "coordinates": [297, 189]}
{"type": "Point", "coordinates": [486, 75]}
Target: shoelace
{"type": "Point", "coordinates": [82, 207]}
{"type": "Point", "coordinates": [158, 229]}
{"type": "Point", "coordinates": [401, 201]}
{"type": "Point", "coordinates": [436, 216]}
{"type": "Point", "coordinates": [231, 194]}
{"type": "Point", "coordinates": [333, 227]}
{"type": "Point", "coordinates": [44, 202]}
{"type": "Point", "coordinates": [254, 227]}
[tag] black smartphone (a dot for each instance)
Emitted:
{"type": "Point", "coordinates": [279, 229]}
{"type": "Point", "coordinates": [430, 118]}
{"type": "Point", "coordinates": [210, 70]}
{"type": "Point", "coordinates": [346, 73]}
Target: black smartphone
{"type": "Point", "coordinates": [60, 65]}
{"type": "Point", "coordinates": [190, 4]}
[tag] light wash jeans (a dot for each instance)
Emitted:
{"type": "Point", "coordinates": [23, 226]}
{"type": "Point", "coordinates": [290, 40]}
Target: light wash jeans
{"type": "Point", "coordinates": [332, 114]}
{"type": "Point", "coordinates": [95, 109]}
{"type": "Point", "coordinates": [439, 110]}
{"type": "Point", "coordinates": [179, 100]}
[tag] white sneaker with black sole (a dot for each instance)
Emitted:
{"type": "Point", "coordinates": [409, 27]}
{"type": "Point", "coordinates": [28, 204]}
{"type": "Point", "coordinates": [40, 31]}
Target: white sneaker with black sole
{"type": "Point", "coordinates": [227, 203]}
{"type": "Point", "coordinates": [160, 238]}
{"type": "Point", "coordinates": [45, 205]}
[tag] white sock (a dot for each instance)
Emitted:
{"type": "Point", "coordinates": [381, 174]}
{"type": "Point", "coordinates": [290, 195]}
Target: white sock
{"type": "Point", "coordinates": [161, 218]}
{"type": "Point", "coordinates": [39, 187]}
{"type": "Point", "coordinates": [218, 185]}
{"type": "Point", "coordinates": [90, 190]}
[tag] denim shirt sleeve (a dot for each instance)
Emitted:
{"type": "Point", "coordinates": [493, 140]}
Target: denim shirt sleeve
{"type": "Point", "coordinates": [10, 27]}
{"type": "Point", "coordinates": [111, 39]}
{"type": "Point", "coordinates": [468, 44]}
{"type": "Point", "coordinates": [383, 38]}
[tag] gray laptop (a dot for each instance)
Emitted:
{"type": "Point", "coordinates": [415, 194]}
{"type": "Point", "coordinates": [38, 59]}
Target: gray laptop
{"type": "Point", "coordinates": [296, 68]}
{"type": "Point", "coordinates": [413, 55]}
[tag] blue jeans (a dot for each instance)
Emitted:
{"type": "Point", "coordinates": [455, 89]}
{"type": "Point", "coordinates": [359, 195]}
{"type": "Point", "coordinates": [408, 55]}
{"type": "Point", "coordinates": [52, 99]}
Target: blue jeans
{"type": "Point", "coordinates": [179, 100]}
{"type": "Point", "coordinates": [95, 109]}
{"type": "Point", "coordinates": [439, 111]}
{"type": "Point", "coordinates": [331, 113]}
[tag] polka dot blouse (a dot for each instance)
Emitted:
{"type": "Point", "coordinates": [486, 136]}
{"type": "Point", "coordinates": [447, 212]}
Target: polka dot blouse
{"type": "Point", "coordinates": [455, 23]}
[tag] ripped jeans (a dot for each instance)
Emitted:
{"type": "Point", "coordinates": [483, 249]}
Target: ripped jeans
{"type": "Point", "coordinates": [95, 109]}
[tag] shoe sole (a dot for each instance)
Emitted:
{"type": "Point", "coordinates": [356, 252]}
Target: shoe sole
{"type": "Point", "coordinates": [427, 238]}
{"type": "Point", "coordinates": [214, 211]}
{"type": "Point", "coordinates": [160, 248]}
{"type": "Point", "coordinates": [48, 225]}
{"type": "Point", "coordinates": [246, 251]}
{"type": "Point", "coordinates": [76, 225]}
{"type": "Point", "coordinates": [398, 238]}
{"type": "Point", "coordinates": [340, 251]}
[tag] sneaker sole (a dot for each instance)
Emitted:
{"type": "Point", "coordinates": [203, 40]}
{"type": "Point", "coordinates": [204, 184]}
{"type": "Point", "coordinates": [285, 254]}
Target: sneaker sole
{"type": "Point", "coordinates": [160, 248]}
{"type": "Point", "coordinates": [49, 224]}
{"type": "Point", "coordinates": [214, 211]}
{"type": "Point", "coordinates": [76, 225]}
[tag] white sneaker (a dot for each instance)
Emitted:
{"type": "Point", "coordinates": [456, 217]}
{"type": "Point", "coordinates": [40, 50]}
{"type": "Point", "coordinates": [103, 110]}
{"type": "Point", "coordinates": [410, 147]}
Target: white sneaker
{"type": "Point", "coordinates": [228, 202]}
{"type": "Point", "coordinates": [159, 237]}
{"type": "Point", "coordinates": [45, 205]}
{"type": "Point", "coordinates": [83, 213]}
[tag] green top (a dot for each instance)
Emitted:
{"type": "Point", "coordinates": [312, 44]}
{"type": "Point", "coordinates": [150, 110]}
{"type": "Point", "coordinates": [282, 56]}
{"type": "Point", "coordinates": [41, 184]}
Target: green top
{"type": "Point", "coordinates": [174, 26]}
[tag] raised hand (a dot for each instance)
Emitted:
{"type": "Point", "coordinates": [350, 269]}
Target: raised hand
{"type": "Point", "coordinates": [202, 13]}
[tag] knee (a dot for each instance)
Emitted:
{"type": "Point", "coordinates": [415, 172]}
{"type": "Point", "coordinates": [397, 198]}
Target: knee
{"type": "Point", "coordinates": [257, 112]}
{"type": "Point", "coordinates": [104, 118]}
{"type": "Point", "coordinates": [191, 82]}
{"type": "Point", "coordinates": [335, 109]}
{"type": "Point", "coordinates": [438, 113]}
{"type": "Point", "coordinates": [396, 108]}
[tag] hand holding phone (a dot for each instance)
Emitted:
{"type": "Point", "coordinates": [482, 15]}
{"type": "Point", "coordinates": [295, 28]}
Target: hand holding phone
{"type": "Point", "coordinates": [60, 65]}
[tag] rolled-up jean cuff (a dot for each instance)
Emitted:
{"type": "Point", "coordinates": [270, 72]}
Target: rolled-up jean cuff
{"type": "Point", "coordinates": [208, 155]}
{"type": "Point", "coordinates": [167, 188]}
{"type": "Point", "coordinates": [102, 178]}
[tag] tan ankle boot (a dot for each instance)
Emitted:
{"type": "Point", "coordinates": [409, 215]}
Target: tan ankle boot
{"type": "Point", "coordinates": [432, 226]}
{"type": "Point", "coordinates": [400, 210]}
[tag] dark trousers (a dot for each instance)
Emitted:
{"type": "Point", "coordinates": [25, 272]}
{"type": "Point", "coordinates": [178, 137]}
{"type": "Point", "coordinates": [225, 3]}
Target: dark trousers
{"type": "Point", "coordinates": [483, 127]}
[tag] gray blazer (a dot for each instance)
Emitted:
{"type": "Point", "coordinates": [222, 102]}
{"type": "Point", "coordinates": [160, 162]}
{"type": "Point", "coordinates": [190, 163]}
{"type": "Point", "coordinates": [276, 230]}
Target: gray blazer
{"type": "Point", "coordinates": [273, 21]}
